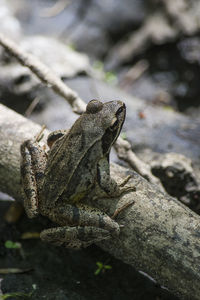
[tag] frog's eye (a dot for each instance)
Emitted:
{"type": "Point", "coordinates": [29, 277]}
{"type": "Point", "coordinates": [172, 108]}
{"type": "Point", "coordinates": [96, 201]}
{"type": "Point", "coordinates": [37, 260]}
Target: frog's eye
{"type": "Point", "coordinates": [114, 124]}
{"type": "Point", "coordinates": [121, 109]}
{"type": "Point", "coordinates": [94, 106]}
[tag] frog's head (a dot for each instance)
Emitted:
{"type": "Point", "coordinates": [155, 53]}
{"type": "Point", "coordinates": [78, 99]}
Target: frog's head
{"type": "Point", "coordinates": [109, 117]}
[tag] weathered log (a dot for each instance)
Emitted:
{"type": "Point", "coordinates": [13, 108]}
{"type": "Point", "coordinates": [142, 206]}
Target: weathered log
{"type": "Point", "coordinates": [160, 235]}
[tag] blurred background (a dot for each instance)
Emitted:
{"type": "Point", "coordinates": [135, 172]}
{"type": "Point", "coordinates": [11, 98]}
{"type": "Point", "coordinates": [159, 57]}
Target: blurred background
{"type": "Point", "coordinates": [146, 53]}
{"type": "Point", "coordinates": [150, 49]}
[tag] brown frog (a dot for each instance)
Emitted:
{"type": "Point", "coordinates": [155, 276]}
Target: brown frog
{"type": "Point", "coordinates": [75, 168]}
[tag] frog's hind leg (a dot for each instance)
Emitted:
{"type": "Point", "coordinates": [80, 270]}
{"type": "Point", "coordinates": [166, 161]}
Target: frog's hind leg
{"type": "Point", "coordinates": [83, 215]}
{"type": "Point", "coordinates": [33, 162]}
{"type": "Point", "coordinates": [74, 237]}
{"type": "Point", "coordinates": [88, 225]}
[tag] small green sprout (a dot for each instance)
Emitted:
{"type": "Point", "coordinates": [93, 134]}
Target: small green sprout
{"type": "Point", "coordinates": [15, 245]}
{"type": "Point", "coordinates": [12, 245]}
{"type": "Point", "coordinates": [101, 268]}
{"type": "Point", "coordinates": [110, 77]}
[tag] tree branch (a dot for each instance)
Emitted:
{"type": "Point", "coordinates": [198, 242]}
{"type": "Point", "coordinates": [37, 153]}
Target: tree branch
{"type": "Point", "coordinates": [45, 74]}
{"type": "Point", "coordinates": [160, 235]}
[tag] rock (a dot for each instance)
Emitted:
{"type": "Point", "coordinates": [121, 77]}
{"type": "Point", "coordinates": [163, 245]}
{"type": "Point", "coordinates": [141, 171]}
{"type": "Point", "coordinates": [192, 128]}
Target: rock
{"type": "Point", "coordinates": [178, 178]}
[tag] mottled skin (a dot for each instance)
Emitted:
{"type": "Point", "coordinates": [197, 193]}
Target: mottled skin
{"type": "Point", "coordinates": [77, 167]}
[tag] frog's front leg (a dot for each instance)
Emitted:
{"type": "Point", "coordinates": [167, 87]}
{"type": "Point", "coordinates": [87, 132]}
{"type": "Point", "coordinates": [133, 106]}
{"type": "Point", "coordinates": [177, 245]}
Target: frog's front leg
{"type": "Point", "coordinates": [110, 187]}
{"type": "Point", "coordinates": [33, 162]}
{"type": "Point", "coordinates": [107, 184]}
{"type": "Point", "coordinates": [87, 225]}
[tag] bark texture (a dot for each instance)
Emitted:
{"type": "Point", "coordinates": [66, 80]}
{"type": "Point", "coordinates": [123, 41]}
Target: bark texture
{"type": "Point", "coordinates": [160, 235]}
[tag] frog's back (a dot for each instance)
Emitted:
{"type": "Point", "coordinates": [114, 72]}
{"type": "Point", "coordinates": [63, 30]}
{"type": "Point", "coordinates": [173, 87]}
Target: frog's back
{"type": "Point", "coordinates": [72, 164]}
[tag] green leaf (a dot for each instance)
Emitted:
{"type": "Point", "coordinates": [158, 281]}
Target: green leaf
{"type": "Point", "coordinates": [108, 267]}
{"type": "Point", "coordinates": [110, 77]}
{"type": "Point", "coordinates": [97, 272]}
{"type": "Point", "coordinates": [99, 264]}
{"type": "Point", "coordinates": [12, 245]}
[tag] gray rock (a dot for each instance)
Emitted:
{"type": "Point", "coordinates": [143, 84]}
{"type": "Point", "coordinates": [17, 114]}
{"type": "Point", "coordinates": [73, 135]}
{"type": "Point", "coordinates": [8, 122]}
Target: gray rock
{"type": "Point", "coordinates": [177, 175]}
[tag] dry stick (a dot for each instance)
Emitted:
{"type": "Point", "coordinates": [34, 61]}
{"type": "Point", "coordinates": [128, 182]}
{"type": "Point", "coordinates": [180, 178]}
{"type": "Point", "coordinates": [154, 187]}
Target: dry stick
{"type": "Point", "coordinates": [32, 106]}
{"type": "Point", "coordinates": [134, 73]}
{"type": "Point", "coordinates": [45, 74]}
{"type": "Point", "coordinates": [160, 236]}
{"type": "Point", "coordinates": [124, 152]}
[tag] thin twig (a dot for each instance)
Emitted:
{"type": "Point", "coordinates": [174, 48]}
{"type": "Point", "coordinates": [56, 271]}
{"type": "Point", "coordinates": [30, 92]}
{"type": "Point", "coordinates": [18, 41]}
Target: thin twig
{"type": "Point", "coordinates": [39, 136]}
{"type": "Point", "coordinates": [124, 152]}
{"type": "Point", "coordinates": [134, 73]}
{"type": "Point", "coordinates": [32, 106]}
{"type": "Point", "coordinates": [45, 74]}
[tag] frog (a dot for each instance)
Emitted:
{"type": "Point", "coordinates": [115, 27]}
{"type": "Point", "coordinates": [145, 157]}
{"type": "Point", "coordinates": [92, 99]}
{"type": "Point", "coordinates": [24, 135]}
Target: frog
{"type": "Point", "coordinates": [56, 183]}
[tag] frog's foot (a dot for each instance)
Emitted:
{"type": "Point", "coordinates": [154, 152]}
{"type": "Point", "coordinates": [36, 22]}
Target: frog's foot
{"type": "Point", "coordinates": [124, 188]}
{"type": "Point", "coordinates": [125, 180]}
{"type": "Point", "coordinates": [118, 210]}
{"type": "Point", "coordinates": [32, 171]}
{"type": "Point", "coordinates": [74, 237]}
